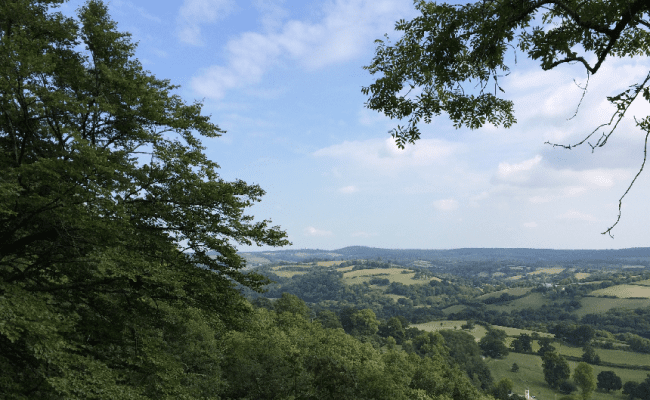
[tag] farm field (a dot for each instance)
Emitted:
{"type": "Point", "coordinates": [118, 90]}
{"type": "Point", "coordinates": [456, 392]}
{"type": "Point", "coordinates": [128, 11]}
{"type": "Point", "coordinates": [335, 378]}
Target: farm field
{"type": "Point", "coordinates": [624, 291]}
{"type": "Point", "coordinates": [644, 283]}
{"type": "Point", "coordinates": [530, 376]}
{"type": "Point", "coordinates": [593, 305]}
{"type": "Point", "coordinates": [582, 275]}
{"type": "Point", "coordinates": [533, 300]}
{"type": "Point", "coordinates": [328, 263]}
{"type": "Point", "coordinates": [609, 355]}
{"type": "Point", "coordinates": [454, 309]}
{"type": "Point", "coordinates": [478, 332]}
{"type": "Point", "coordinates": [549, 271]}
{"type": "Point", "coordinates": [518, 291]}
{"type": "Point", "coordinates": [392, 274]}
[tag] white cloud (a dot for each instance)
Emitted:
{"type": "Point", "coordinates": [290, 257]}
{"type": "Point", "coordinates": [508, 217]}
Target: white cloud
{"type": "Point", "coordinates": [446, 204]}
{"type": "Point", "coordinates": [383, 154]}
{"type": "Point", "coordinates": [517, 173]}
{"type": "Point", "coordinates": [348, 189]}
{"type": "Point", "coordinates": [194, 13]}
{"type": "Point", "coordinates": [576, 215]}
{"type": "Point", "coordinates": [347, 29]}
{"type": "Point", "coordinates": [311, 231]}
{"type": "Point", "coordinates": [530, 225]}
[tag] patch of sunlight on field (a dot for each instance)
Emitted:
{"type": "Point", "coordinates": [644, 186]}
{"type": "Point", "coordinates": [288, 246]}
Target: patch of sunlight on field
{"type": "Point", "coordinates": [392, 274]}
{"type": "Point", "coordinates": [623, 291]}
{"type": "Point", "coordinates": [497, 274]}
{"type": "Point", "coordinates": [599, 305]}
{"type": "Point", "coordinates": [582, 275]}
{"type": "Point", "coordinates": [478, 331]}
{"type": "Point", "coordinates": [518, 291]}
{"type": "Point", "coordinates": [514, 278]}
{"type": "Point", "coordinates": [516, 332]}
{"type": "Point", "coordinates": [289, 274]}
{"type": "Point", "coordinates": [549, 271]}
{"type": "Point", "coordinates": [328, 263]}
{"type": "Point", "coordinates": [343, 269]}
{"type": "Point", "coordinates": [643, 283]}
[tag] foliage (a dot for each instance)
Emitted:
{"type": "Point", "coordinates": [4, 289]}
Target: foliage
{"type": "Point", "coordinates": [514, 368]}
{"type": "Point", "coordinates": [590, 356]}
{"type": "Point", "coordinates": [583, 376]}
{"type": "Point", "coordinates": [556, 369]}
{"type": "Point", "coordinates": [118, 262]}
{"type": "Point", "coordinates": [502, 389]}
{"type": "Point", "coordinates": [522, 344]}
{"type": "Point", "coordinates": [493, 344]}
{"type": "Point", "coordinates": [608, 380]}
{"type": "Point", "coordinates": [452, 56]}
{"type": "Point", "coordinates": [465, 352]}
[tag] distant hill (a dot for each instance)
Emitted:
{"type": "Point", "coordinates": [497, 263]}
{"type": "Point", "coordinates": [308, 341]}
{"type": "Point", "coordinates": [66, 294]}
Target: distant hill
{"type": "Point", "coordinates": [634, 256]}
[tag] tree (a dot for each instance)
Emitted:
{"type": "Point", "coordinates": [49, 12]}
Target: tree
{"type": "Point", "coordinates": [515, 367]}
{"type": "Point", "coordinates": [583, 376]}
{"type": "Point", "coordinates": [545, 346]}
{"type": "Point", "coordinates": [522, 344]}
{"type": "Point", "coordinates": [502, 388]}
{"type": "Point", "coordinates": [118, 265]}
{"type": "Point", "coordinates": [630, 388]}
{"type": "Point", "coordinates": [556, 369]}
{"type": "Point", "coordinates": [450, 55]}
{"type": "Point", "coordinates": [590, 356]}
{"type": "Point", "coordinates": [608, 380]}
{"type": "Point", "coordinates": [493, 344]}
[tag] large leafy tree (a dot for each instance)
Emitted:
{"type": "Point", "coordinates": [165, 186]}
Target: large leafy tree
{"type": "Point", "coordinates": [118, 265]}
{"type": "Point", "coordinates": [556, 369]}
{"type": "Point", "coordinates": [454, 54]}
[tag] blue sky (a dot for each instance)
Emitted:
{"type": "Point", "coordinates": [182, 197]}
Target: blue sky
{"type": "Point", "coordinates": [284, 79]}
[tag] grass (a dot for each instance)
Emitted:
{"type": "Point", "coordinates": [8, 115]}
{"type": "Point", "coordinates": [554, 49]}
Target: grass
{"type": "Point", "coordinates": [515, 277]}
{"type": "Point", "coordinates": [644, 283]}
{"type": "Point", "coordinates": [343, 269]}
{"type": "Point", "coordinates": [392, 274]}
{"type": "Point", "coordinates": [328, 263]}
{"type": "Point", "coordinates": [533, 300]}
{"type": "Point", "coordinates": [549, 271]}
{"type": "Point", "coordinates": [518, 291]}
{"type": "Point", "coordinates": [624, 291]}
{"type": "Point", "coordinates": [599, 305]}
{"type": "Point", "coordinates": [531, 376]}
{"type": "Point", "coordinates": [582, 275]}
{"type": "Point", "coordinates": [478, 332]}
{"type": "Point", "coordinates": [454, 309]}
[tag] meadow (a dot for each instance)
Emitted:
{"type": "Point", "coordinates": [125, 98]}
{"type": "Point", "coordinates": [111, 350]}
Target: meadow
{"type": "Point", "coordinates": [531, 376]}
{"type": "Point", "coordinates": [624, 291]}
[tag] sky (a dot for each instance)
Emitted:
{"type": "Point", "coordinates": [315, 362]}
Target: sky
{"type": "Point", "coordinates": [284, 79]}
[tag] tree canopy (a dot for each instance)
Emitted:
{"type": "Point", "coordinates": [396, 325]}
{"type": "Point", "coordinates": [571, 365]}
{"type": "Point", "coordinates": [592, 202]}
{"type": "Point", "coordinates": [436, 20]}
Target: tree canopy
{"type": "Point", "coordinates": [118, 264]}
{"type": "Point", "coordinates": [453, 55]}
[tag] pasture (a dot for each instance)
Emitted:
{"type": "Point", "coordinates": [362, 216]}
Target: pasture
{"type": "Point", "coordinates": [518, 291]}
{"type": "Point", "coordinates": [328, 263]}
{"type": "Point", "coordinates": [530, 375]}
{"type": "Point", "coordinates": [624, 291]}
{"type": "Point", "coordinates": [582, 275]}
{"type": "Point", "coordinates": [596, 305]}
{"type": "Point", "coordinates": [643, 283]}
{"type": "Point", "coordinates": [401, 275]}
{"type": "Point", "coordinates": [478, 331]}
{"type": "Point", "coordinates": [548, 271]}
{"type": "Point", "coordinates": [532, 300]}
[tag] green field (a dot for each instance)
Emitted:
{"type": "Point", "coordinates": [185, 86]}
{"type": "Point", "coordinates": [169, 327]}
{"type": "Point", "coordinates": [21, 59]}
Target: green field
{"type": "Point", "coordinates": [533, 300]}
{"type": "Point", "coordinates": [530, 376]}
{"type": "Point", "coordinates": [624, 291]}
{"type": "Point", "coordinates": [595, 305]}
{"type": "Point", "coordinates": [454, 309]}
{"type": "Point", "coordinates": [518, 291]}
{"type": "Point", "coordinates": [644, 283]}
{"type": "Point", "coordinates": [478, 332]}
{"type": "Point", "coordinates": [392, 274]}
